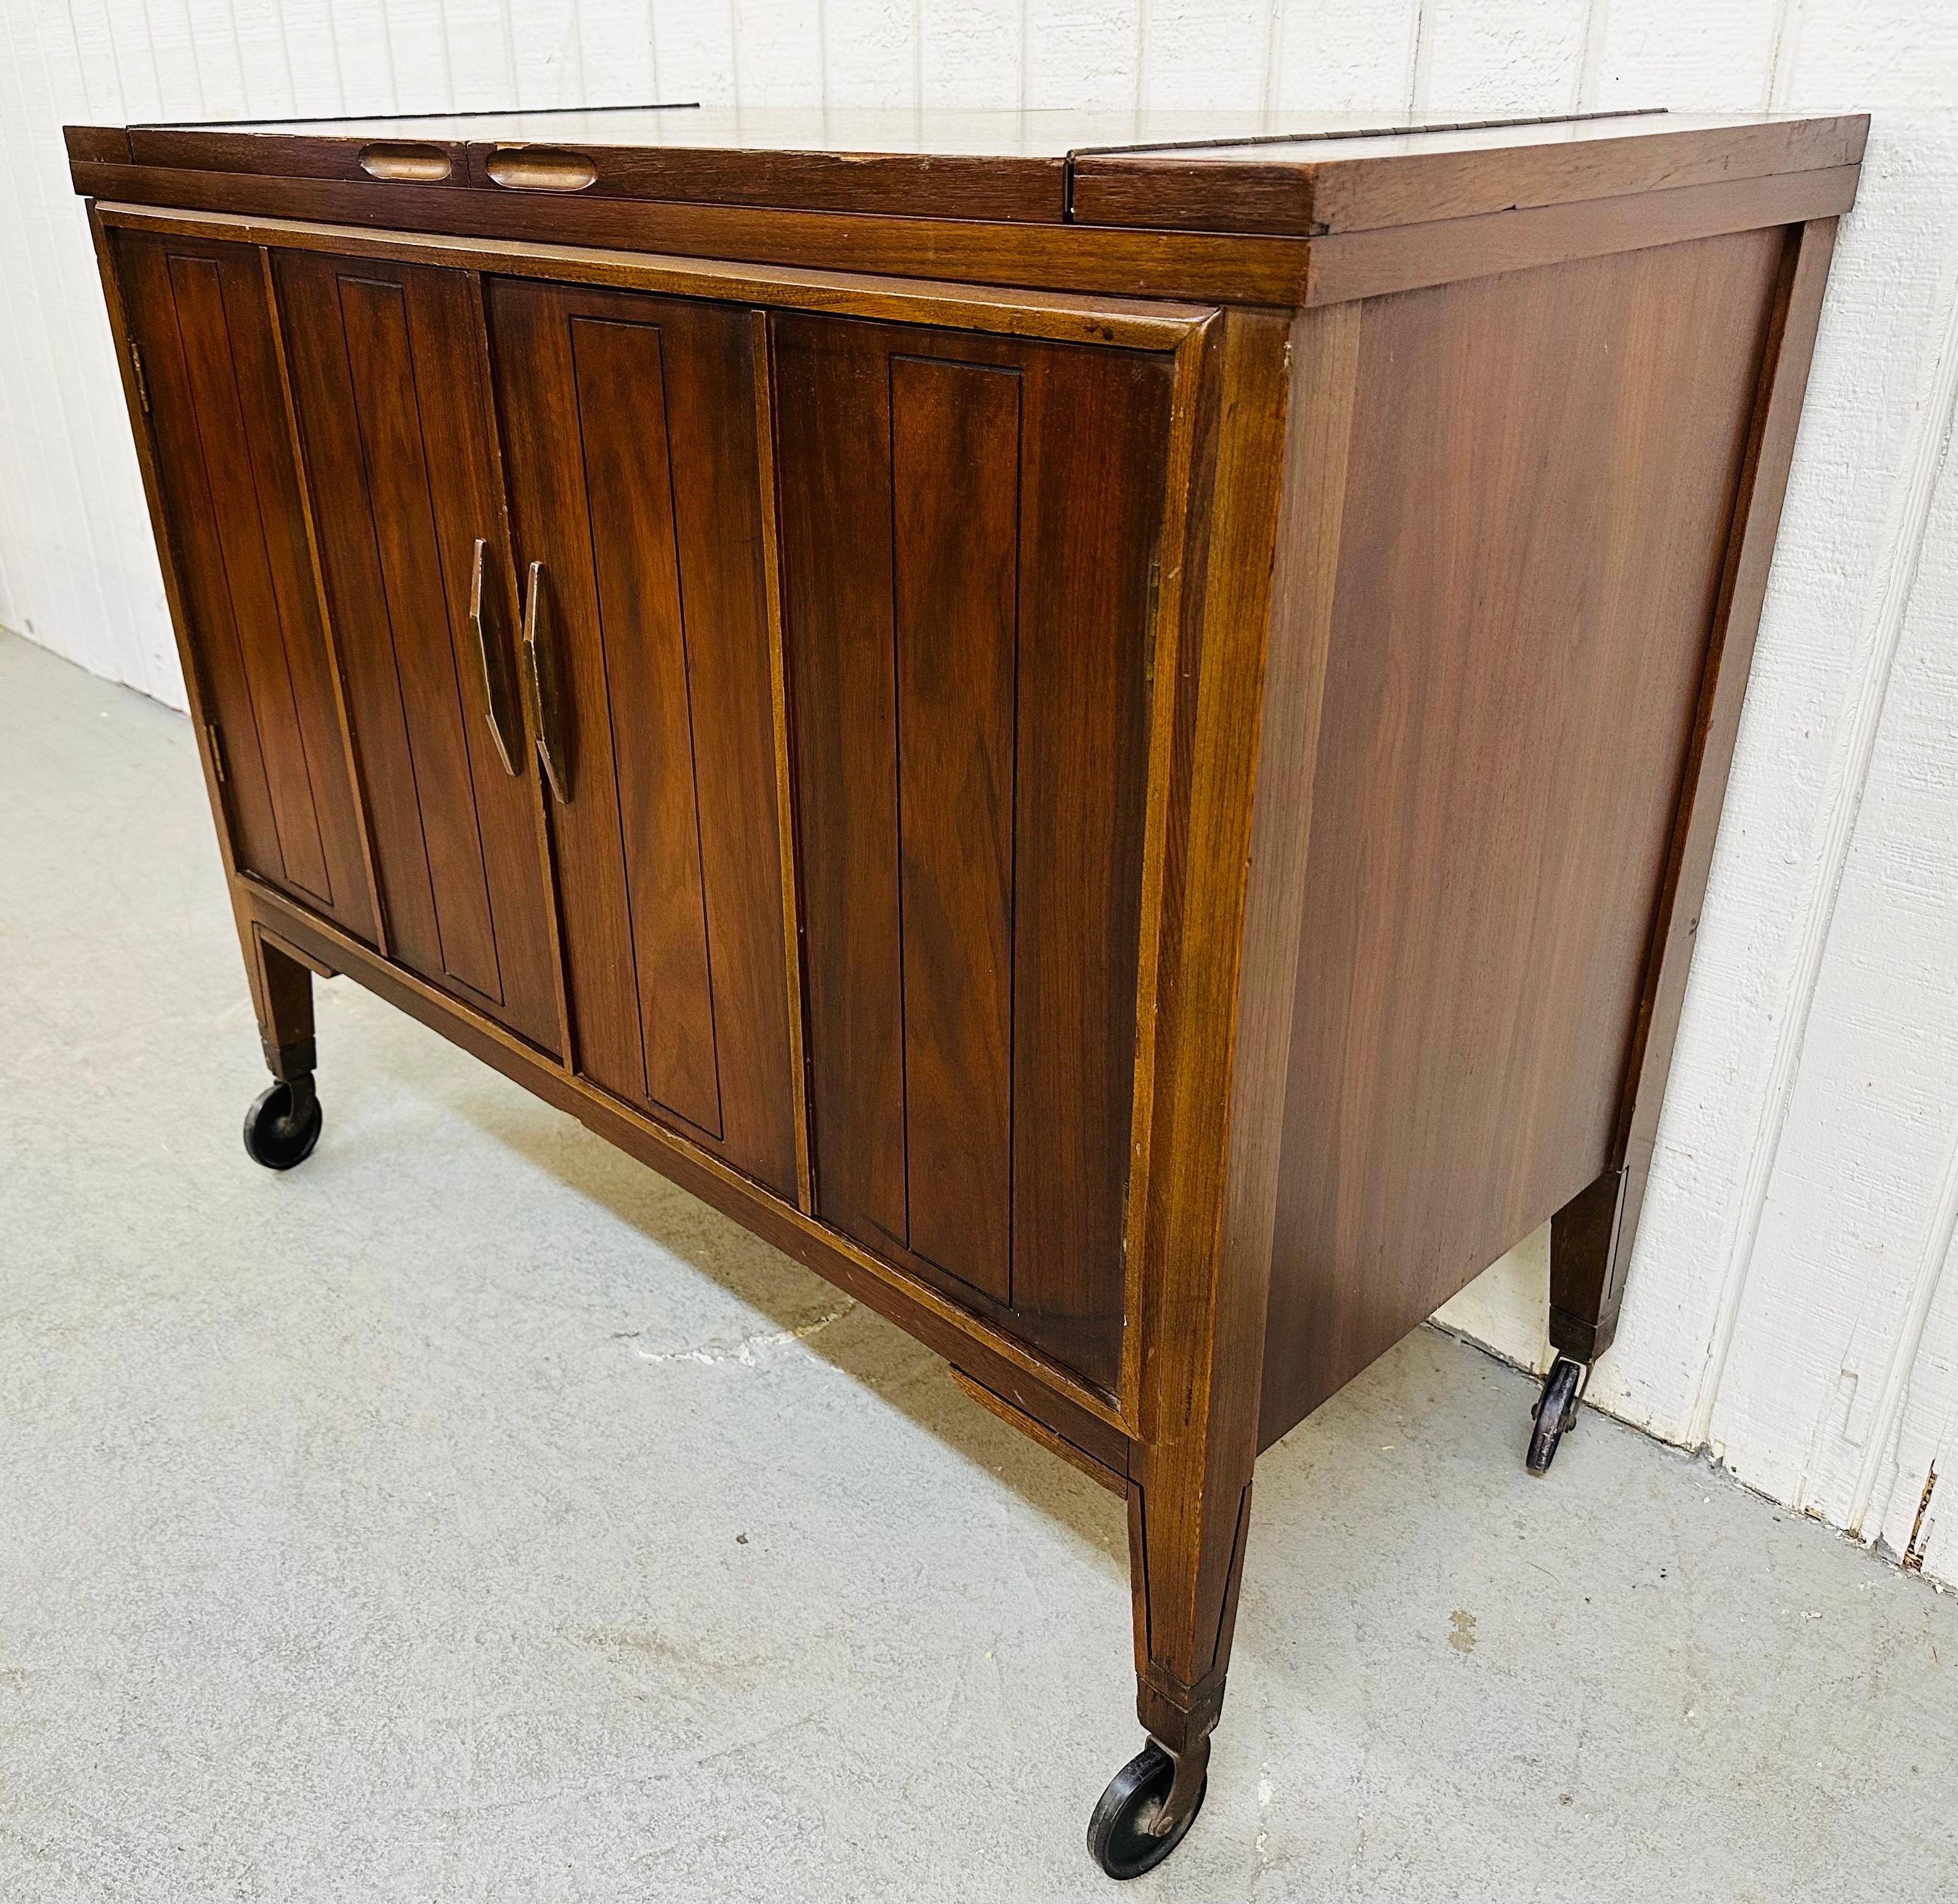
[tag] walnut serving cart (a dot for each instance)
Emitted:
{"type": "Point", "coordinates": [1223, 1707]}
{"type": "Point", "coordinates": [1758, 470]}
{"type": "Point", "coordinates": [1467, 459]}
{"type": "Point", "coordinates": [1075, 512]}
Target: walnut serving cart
{"type": "Point", "coordinates": [1109, 731]}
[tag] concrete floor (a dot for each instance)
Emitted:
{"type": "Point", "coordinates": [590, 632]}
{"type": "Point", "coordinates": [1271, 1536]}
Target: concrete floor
{"type": "Point", "coordinates": [471, 1516]}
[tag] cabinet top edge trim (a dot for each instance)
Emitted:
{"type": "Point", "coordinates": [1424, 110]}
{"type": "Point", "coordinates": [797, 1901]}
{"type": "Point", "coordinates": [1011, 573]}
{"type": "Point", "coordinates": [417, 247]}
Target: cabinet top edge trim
{"type": "Point", "coordinates": [1271, 171]}
{"type": "Point", "coordinates": [1059, 316]}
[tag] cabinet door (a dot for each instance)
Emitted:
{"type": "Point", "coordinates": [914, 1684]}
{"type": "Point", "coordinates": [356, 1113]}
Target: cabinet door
{"type": "Point", "coordinates": [630, 426]}
{"type": "Point", "coordinates": [968, 529]}
{"type": "Point", "coordinates": [203, 323]}
{"type": "Point", "coordinates": [390, 380]}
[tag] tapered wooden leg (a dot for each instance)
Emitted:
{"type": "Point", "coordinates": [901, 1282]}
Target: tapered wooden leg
{"type": "Point", "coordinates": [282, 997]}
{"type": "Point", "coordinates": [1185, 1562]}
{"type": "Point", "coordinates": [1590, 1245]}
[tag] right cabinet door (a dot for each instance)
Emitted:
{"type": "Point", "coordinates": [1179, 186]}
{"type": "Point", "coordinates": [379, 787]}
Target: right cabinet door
{"type": "Point", "coordinates": [631, 431]}
{"type": "Point", "coordinates": [968, 526]}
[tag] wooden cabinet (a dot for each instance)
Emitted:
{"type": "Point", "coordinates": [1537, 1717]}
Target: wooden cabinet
{"type": "Point", "coordinates": [1114, 744]}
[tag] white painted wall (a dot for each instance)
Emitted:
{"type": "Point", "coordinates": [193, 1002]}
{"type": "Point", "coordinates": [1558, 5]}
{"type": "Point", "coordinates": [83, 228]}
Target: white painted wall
{"type": "Point", "coordinates": [1791, 1307]}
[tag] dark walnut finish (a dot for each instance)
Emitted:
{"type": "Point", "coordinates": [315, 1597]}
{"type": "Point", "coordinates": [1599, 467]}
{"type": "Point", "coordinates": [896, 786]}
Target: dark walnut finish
{"type": "Point", "coordinates": [1109, 731]}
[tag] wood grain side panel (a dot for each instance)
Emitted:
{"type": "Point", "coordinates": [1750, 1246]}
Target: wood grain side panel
{"type": "Point", "coordinates": [628, 423]}
{"type": "Point", "coordinates": [231, 489]}
{"type": "Point", "coordinates": [956, 507]}
{"type": "Point", "coordinates": [1520, 630]}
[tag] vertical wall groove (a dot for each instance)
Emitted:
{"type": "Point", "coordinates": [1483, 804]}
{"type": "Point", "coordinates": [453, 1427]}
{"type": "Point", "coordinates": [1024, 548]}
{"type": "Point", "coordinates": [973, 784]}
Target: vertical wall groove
{"type": "Point", "coordinates": [1829, 854]}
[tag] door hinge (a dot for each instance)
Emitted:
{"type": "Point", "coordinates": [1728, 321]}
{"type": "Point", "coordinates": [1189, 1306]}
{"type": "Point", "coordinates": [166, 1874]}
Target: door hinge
{"type": "Point", "coordinates": [216, 741]}
{"type": "Point", "coordinates": [142, 382]}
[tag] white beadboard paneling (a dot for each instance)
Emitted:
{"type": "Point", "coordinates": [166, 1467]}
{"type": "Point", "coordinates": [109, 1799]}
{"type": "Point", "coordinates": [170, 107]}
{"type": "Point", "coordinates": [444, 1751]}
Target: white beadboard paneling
{"type": "Point", "coordinates": [1691, 58]}
{"type": "Point", "coordinates": [1083, 53]}
{"type": "Point", "coordinates": [869, 53]}
{"type": "Point", "coordinates": [616, 44]}
{"type": "Point", "coordinates": [1522, 56]}
{"type": "Point", "coordinates": [1793, 1297]}
{"type": "Point", "coordinates": [1838, 1289]}
{"type": "Point", "coordinates": [361, 49]}
{"type": "Point", "coordinates": [417, 52]}
{"type": "Point", "coordinates": [1345, 56]}
{"type": "Point", "coordinates": [1205, 54]}
{"type": "Point", "coordinates": [264, 56]}
{"type": "Point", "coordinates": [779, 56]}
{"type": "Point", "coordinates": [481, 53]}
{"type": "Point", "coordinates": [694, 43]}
{"type": "Point", "coordinates": [969, 53]}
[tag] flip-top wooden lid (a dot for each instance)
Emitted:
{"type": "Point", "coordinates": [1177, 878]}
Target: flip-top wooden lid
{"type": "Point", "coordinates": [1285, 174]}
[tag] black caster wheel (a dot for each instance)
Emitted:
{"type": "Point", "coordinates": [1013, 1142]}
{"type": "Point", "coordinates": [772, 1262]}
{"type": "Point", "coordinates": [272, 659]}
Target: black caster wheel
{"type": "Point", "coordinates": [1556, 1413]}
{"type": "Point", "coordinates": [1118, 1835]}
{"type": "Point", "coordinates": [282, 1124]}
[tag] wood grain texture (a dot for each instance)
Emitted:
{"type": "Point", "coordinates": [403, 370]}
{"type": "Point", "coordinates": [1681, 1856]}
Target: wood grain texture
{"type": "Point", "coordinates": [288, 154]}
{"type": "Point", "coordinates": [901, 184]}
{"type": "Point", "coordinates": [1281, 173]}
{"type": "Point", "coordinates": [1203, 1313]}
{"type": "Point", "coordinates": [1408, 257]}
{"type": "Point", "coordinates": [629, 428]}
{"type": "Point", "coordinates": [764, 374]}
{"type": "Point", "coordinates": [229, 482]}
{"type": "Point", "coordinates": [1588, 1274]}
{"type": "Point", "coordinates": [282, 999]}
{"type": "Point", "coordinates": [1312, 187]}
{"type": "Point", "coordinates": [1155, 324]}
{"type": "Point", "coordinates": [1048, 257]}
{"type": "Point", "coordinates": [954, 452]}
{"type": "Point", "coordinates": [1509, 708]}
{"type": "Point", "coordinates": [1021, 822]}
{"type": "Point", "coordinates": [385, 362]}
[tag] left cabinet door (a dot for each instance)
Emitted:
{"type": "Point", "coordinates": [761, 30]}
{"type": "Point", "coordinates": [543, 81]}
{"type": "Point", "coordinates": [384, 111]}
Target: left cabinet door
{"type": "Point", "coordinates": [202, 321]}
{"type": "Point", "coordinates": [390, 375]}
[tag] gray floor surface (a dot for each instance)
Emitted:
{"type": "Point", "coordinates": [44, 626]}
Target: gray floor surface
{"type": "Point", "coordinates": [471, 1516]}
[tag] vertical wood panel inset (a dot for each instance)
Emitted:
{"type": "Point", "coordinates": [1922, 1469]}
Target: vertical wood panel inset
{"type": "Point", "coordinates": [628, 424]}
{"type": "Point", "coordinates": [832, 391]}
{"type": "Point", "coordinates": [954, 487]}
{"type": "Point", "coordinates": [250, 613]}
{"type": "Point", "coordinates": [380, 360]}
{"type": "Point", "coordinates": [258, 617]}
{"type": "Point", "coordinates": [620, 380]}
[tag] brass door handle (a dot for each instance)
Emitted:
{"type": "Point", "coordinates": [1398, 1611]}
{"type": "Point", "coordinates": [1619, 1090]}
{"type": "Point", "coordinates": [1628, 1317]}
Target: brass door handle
{"type": "Point", "coordinates": [490, 677]}
{"type": "Point", "coordinates": [541, 676]}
